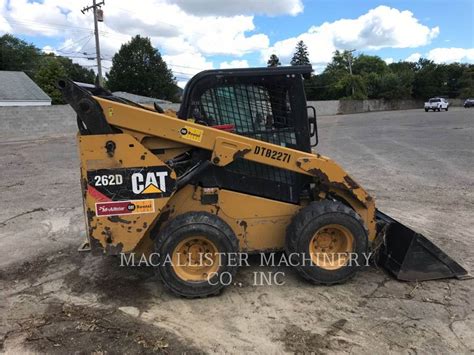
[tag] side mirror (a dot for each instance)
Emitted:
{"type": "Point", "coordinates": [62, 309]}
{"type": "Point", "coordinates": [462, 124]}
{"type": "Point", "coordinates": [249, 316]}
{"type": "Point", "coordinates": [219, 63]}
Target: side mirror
{"type": "Point", "coordinates": [313, 126]}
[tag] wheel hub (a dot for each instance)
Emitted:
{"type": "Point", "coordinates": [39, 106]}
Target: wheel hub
{"type": "Point", "coordinates": [195, 258]}
{"type": "Point", "coordinates": [330, 247]}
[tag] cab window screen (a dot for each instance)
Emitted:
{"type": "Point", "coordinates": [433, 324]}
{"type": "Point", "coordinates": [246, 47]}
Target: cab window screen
{"type": "Point", "coordinates": [256, 111]}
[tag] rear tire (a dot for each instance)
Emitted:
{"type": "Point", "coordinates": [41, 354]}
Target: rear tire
{"type": "Point", "coordinates": [426, 110]}
{"type": "Point", "coordinates": [186, 241]}
{"type": "Point", "coordinates": [326, 229]}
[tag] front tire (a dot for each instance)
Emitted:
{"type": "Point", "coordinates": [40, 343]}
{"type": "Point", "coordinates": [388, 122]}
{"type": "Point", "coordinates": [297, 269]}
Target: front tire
{"type": "Point", "coordinates": [198, 244]}
{"type": "Point", "coordinates": [325, 238]}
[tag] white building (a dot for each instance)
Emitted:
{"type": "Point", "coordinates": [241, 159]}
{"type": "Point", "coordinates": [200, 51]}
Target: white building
{"type": "Point", "coordinates": [17, 89]}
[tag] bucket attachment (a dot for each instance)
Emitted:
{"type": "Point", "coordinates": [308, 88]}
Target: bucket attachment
{"type": "Point", "coordinates": [409, 256]}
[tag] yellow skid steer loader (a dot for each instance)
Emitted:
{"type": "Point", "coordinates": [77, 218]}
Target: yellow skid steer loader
{"type": "Point", "coordinates": [232, 172]}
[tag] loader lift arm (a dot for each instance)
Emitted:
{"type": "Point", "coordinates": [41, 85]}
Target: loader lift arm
{"type": "Point", "coordinates": [227, 146]}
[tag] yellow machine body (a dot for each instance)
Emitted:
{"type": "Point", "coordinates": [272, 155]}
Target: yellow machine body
{"type": "Point", "coordinates": [259, 223]}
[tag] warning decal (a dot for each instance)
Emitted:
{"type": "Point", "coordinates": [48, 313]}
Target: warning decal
{"type": "Point", "coordinates": [191, 133]}
{"type": "Point", "coordinates": [115, 208]}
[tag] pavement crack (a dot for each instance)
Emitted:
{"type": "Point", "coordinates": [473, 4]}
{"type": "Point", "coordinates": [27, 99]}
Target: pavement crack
{"type": "Point", "coordinates": [40, 209]}
{"type": "Point", "coordinates": [21, 183]}
{"type": "Point", "coordinates": [451, 328]}
{"type": "Point", "coordinates": [379, 286]}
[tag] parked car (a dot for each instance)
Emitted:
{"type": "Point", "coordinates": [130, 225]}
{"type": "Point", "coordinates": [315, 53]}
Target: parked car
{"type": "Point", "coordinates": [469, 103]}
{"type": "Point", "coordinates": [436, 104]}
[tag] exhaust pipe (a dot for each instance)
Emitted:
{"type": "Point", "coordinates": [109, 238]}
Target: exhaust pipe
{"type": "Point", "coordinates": [409, 256]}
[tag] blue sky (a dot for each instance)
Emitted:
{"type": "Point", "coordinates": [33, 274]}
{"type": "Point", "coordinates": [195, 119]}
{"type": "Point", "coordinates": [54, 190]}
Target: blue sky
{"type": "Point", "coordinates": [455, 19]}
{"type": "Point", "coordinates": [194, 35]}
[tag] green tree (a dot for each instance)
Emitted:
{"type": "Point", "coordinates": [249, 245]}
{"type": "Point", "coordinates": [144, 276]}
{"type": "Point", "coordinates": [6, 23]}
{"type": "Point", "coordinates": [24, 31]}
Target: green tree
{"type": "Point", "coordinates": [338, 82]}
{"type": "Point", "coordinates": [396, 86]}
{"type": "Point", "coordinates": [44, 69]}
{"type": "Point", "coordinates": [139, 68]}
{"type": "Point", "coordinates": [273, 61]}
{"type": "Point", "coordinates": [374, 79]}
{"type": "Point", "coordinates": [339, 62]}
{"type": "Point", "coordinates": [301, 56]}
{"type": "Point", "coordinates": [453, 74]}
{"type": "Point", "coordinates": [389, 85]}
{"type": "Point", "coordinates": [373, 84]}
{"type": "Point", "coordinates": [48, 74]}
{"type": "Point", "coordinates": [77, 72]}
{"type": "Point", "coordinates": [17, 55]}
{"type": "Point", "coordinates": [353, 87]}
{"type": "Point", "coordinates": [316, 87]}
{"type": "Point", "coordinates": [427, 82]}
{"type": "Point", "coordinates": [466, 82]}
{"type": "Point", "coordinates": [52, 68]}
{"type": "Point", "coordinates": [405, 72]}
{"type": "Point", "coordinates": [365, 64]}
{"type": "Point", "coordinates": [401, 67]}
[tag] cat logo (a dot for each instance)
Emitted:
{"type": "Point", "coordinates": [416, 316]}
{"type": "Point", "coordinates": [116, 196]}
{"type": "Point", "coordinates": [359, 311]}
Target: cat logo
{"type": "Point", "coordinates": [149, 183]}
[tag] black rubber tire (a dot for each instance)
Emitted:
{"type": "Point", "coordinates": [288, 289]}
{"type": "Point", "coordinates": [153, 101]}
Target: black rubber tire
{"type": "Point", "coordinates": [426, 110]}
{"type": "Point", "coordinates": [446, 108]}
{"type": "Point", "coordinates": [310, 219]}
{"type": "Point", "coordinates": [203, 224]}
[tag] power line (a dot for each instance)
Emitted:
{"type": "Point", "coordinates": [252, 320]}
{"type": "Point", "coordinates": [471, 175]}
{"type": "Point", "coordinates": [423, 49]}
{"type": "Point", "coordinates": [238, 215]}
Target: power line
{"type": "Point", "coordinates": [58, 26]}
{"type": "Point", "coordinates": [49, 26]}
{"type": "Point", "coordinates": [62, 49]}
{"type": "Point", "coordinates": [183, 66]}
{"type": "Point", "coordinates": [85, 44]}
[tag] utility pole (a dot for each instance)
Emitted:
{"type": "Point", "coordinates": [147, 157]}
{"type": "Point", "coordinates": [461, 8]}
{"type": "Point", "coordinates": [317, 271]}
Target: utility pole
{"type": "Point", "coordinates": [94, 8]}
{"type": "Point", "coordinates": [349, 59]}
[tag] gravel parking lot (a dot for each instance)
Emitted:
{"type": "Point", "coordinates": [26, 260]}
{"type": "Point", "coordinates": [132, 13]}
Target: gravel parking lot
{"type": "Point", "coordinates": [420, 168]}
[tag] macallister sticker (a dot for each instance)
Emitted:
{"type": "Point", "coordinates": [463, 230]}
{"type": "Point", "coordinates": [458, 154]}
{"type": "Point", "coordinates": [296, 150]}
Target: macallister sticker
{"type": "Point", "coordinates": [117, 208]}
{"type": "Point", "coordinates": [191, 133]}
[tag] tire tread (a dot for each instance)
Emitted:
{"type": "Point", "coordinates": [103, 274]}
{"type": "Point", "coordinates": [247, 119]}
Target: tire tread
{"type": "Point", "coordinates": [303, 217]}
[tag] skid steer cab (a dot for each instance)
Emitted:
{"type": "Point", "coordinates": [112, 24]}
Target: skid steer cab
{"type": "Point", "coordinates": [233, 172]}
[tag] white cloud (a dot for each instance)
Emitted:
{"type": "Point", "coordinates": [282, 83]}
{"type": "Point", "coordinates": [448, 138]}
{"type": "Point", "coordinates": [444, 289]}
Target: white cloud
{"type": "Point", "coordinates": [379, 28]}
{"type": "Point", "coordinates": [243, 7]}
{"type": "Point", "coordinates": [445, 55]}
{"type": "Point", "coordinates": [413, 57]}
{"type": "Point", "coordinates": [234, 64]}
{"type": "Point", "coordinates": [4, 25]}
{"type": "Point", "coordinates": [33, 18]}
{"type": "Point", "coordinates": [225, 36]}
{"type": "Point", "coordinates": [49, 50]}
{"type": "Point", "coordinates": [451, 55]}
{"type": "Point", "coordinates": [158, 19]}
{"type": "Point", "coordinates": [187, 64]}
{"type": "Point", "coordinates": [183, 38]}
{"type": "Point", "coordinates": [388, 60]}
